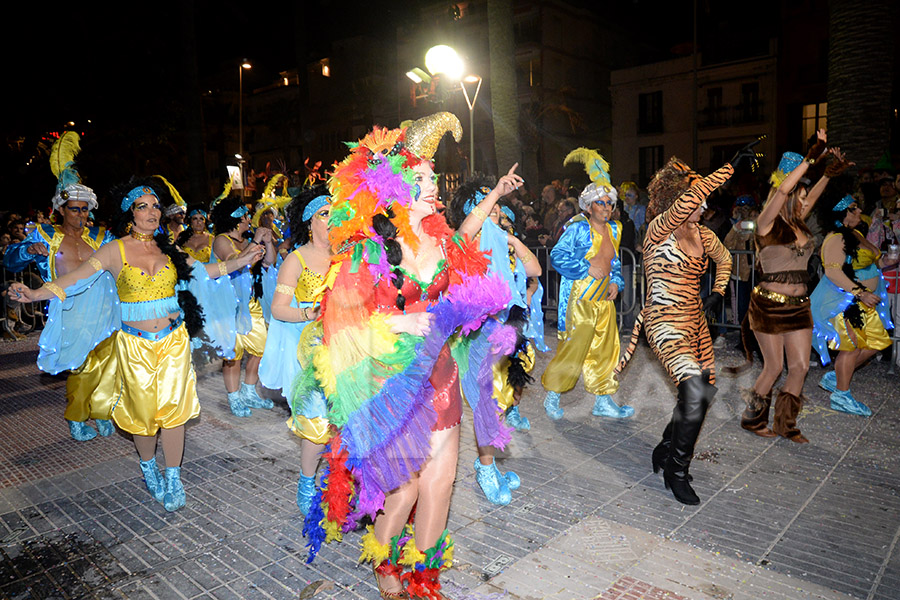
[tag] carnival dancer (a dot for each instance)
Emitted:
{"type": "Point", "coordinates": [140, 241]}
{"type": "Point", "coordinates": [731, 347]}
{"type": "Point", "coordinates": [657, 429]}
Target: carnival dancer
{"type": "Point", "coordinates": [405, 295]}
{"type": "Point", "coordinates": [587, 258]}
{"type": "Point", "coordinates": [196, 240]}
{"type": "Point", "coordinates": [779, 314]}
{"type": "Point", "coordinates": [158, 289]}
{"type": "Point", "coordinates": [59, 249]}
{"type": "Point", "coordinates": [676, 248]}
{"type": "Point", "coordinates": [295, 306]}
{"type": "Point", "coordinates": [850, 307]}
{"type": "Point", "coordinates": [231, 222]}
{"type": "Point", "coordinates": [476, 213]}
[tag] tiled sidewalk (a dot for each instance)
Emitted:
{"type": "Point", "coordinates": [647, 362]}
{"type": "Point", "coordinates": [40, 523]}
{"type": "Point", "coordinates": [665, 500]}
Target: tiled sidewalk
{"type": "Point", "coordinates": [591, 520]}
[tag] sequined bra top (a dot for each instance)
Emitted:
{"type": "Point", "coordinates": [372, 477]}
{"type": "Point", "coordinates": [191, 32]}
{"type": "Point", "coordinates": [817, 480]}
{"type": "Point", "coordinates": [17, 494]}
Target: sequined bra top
{"type": "Point", "coordinates": [781, 259]}
{"type": "Point", "coordinates": [143, 295]}
{"type": "Point", "coordinates": [309, 282]}
{"type": "Point", "coordinates": [202, 254]}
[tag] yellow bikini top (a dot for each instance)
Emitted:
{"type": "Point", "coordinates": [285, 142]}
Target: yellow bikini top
{"type": "Point", "coordinates": [309, 282]}
{"type": "Point", "coordinates": [137, 286]}
{"type": "Point", "coordinates": [865, 257]}
{"type": "Point", "coordinates": [203, 254]}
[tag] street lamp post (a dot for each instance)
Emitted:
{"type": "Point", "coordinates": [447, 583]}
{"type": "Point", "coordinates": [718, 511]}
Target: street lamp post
{"type": "Point", "coordinates": [444, 60]}
{"type": "Point", "coordinates": [471, 105]}
{"type": "Point", "coordinates": [245, 64]}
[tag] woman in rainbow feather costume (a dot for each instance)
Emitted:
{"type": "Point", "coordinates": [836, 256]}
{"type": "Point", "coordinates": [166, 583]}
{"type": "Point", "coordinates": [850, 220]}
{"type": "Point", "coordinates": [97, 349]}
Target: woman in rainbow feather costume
{"type": "Point", "coordinates": [405, 294]}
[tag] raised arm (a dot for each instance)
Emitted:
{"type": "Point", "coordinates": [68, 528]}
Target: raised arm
{"type": "Point", "coordinates": [473, 221]}
{"type": "Point", "coordinates": [774, 204]}
{"type": "Point", "coordinates": [663, 225]}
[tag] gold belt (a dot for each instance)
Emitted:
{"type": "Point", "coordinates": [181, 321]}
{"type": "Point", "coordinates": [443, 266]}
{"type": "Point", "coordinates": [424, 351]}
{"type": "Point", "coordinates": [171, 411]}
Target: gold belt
{"type": "Point", "coordinates": [780, 298]}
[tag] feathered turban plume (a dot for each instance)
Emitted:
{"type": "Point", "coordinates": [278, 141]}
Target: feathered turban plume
{"type": "Point", "coordinates": [378, 175]}
{"type": "Point", "coordinates": [598, 170]}
{"type": "Point", "coordinates": [62, 163]}
{"type": "Point", "coordinates": [271, 200]}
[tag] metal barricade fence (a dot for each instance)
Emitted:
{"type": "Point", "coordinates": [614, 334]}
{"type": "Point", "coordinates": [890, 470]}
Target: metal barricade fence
{"type": "Point", "coordinates": [730, 312]}
{"type": "Point", "coordinates": [32, 315]}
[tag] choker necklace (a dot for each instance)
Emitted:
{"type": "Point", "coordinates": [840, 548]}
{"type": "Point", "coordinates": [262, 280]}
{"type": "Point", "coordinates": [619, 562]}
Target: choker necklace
{"type": "Point", "coordinates": [142, 237]}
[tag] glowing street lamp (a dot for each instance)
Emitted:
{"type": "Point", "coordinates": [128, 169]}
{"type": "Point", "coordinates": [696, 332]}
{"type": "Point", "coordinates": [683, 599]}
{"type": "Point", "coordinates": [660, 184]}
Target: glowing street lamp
{"type": "Point", "coordinates": [245, 64]}
{"type": "Point", "coordinates": [471, 79]}
{"type": "Point", "coordinates": [445, 60]}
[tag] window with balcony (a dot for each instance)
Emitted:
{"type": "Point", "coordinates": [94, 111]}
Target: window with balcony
{"type": "Point", "coordinates": [714, 114]}
{"type": "Point", "coordinates": [650, 113]}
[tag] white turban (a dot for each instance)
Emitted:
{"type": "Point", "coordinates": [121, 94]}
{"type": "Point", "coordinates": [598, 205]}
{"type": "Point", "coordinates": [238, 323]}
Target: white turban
{"type": "Point", "coordinates": [594, 192]}
{"type": "Point", "coordinates": [74, 191]}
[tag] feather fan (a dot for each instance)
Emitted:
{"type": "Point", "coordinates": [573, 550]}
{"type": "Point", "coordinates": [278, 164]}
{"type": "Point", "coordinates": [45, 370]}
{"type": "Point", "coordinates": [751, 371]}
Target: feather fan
{"type": "Point", "coordinates": [269, 192]}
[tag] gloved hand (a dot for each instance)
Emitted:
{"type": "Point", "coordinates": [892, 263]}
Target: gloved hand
{"type": "Point", "coordinates": [748, 155]}
{"type": "Point", "coordinates": [818, 147]}
{"type": "Point", "coordinates": [837, 166]}
{"type": "Point", "coordinates": [713, 303]}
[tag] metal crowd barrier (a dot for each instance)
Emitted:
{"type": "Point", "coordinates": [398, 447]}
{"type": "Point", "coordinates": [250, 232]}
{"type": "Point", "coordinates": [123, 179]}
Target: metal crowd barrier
{"type": "Point", "coordinates": [32, 314]}
{"type": "Point", "coordinates": [636, 287]}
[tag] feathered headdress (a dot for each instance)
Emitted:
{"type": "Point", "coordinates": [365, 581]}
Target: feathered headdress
{"type": "Point", "coordinates": [598, 170]}
{"type": "Point", "coordinates": [62, 163]}
{"type": "Point", "coordinates": [222, 196]}
{"type": "Point", "coordinates": [175, 195]}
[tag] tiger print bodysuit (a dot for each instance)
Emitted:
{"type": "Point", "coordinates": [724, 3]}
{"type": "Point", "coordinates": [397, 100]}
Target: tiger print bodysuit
{"type": "Point", "coordinates": [673, 312]}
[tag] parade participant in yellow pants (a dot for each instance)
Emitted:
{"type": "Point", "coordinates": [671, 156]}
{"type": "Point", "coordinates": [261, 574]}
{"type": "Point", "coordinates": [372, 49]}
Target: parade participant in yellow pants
{"type": "Point", "coordinates": [587, 257]}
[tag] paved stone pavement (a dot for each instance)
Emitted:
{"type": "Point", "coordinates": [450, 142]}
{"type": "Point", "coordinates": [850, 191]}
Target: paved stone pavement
{"type": "Point", "coordinates": [591, 520]}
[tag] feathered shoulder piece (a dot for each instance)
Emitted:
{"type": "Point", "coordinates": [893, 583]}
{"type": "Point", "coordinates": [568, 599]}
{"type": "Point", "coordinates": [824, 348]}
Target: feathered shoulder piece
{"type": "Point", "coordinates": [594, 164]}
{"type": "Point", "coordinates": [376, 175]}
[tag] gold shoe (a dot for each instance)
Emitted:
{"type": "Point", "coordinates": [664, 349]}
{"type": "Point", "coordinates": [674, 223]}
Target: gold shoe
{"type": "Point", "coordinates": [401, 595]}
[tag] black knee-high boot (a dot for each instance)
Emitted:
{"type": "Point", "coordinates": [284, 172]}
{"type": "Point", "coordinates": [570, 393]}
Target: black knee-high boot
{"type": "Point", "coordinates": [694, 397]}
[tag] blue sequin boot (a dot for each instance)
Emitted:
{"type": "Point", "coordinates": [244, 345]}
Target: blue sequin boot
{"type": "Point", "coordinates": [153, 479]}
{"type": "Point", "coordinates": [845, 402]}
{"type": "Point", "coordinates": [174, 498]}
{"type": "Point", "coordinates": [237, 406]}
{"type": "Point", "coordinates": [829, 382]}
{"type": "Point", "coordinates": [516, 420]}
{"type": "Point", "coordinates": [253, 399]}
{"type": "Point", "coordinates": [306, 489]}
{"type": "Point", "coordinates": [551, 406]}
{"type": "Point", "coordinates": [494, 485]}
{"type": "Point", "coordinates": [105, 427]}
{"type": "Point", "coordinates": [80, 431]}
{"type": "Point", "coordinates": [512, 480]}
{"type": "Point", "coordinates": [605, 407]}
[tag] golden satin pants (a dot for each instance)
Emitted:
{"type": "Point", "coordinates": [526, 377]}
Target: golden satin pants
{"type": "Point", "coordinates": [590, 347]}
{"type": "Point", "coordinates": [255, 341]}
{"type": "Point", "coordinates": [156, 383]}
{"type": "Point", "coordinates": [315, 429]}
{"type": "Point", "coordinates": [871, 337]}
{"type": "Point", "coordinates": [90, 389]}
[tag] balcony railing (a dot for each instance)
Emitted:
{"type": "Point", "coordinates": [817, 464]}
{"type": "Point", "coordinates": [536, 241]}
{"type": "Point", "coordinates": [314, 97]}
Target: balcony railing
{"type": "Point", "coordinates": [729, 116]}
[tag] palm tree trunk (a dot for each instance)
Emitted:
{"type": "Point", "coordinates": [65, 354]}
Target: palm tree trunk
{"type": "Point", "coordinates": [860, 75]}
{"type": "Point", "coordinates": [504, 91]}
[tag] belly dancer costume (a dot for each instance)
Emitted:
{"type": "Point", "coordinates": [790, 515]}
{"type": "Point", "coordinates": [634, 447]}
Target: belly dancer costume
{"type": "Point", "coordinates": [781, 260]}
{"type": "Point", "coordinates": [388, 392]}
{"type": "Point", "coordinates": [674, 319]}
{"type": "Point", "coordinates": [89, 386]}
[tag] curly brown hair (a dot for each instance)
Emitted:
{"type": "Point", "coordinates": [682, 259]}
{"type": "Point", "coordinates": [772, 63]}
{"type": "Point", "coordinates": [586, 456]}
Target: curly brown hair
{"type": "Point", "coordinates": [667, 185]}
